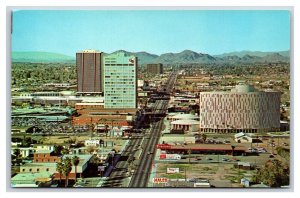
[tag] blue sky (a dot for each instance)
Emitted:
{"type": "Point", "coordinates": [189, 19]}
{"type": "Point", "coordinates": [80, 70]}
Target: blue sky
{"type": "Point", "coordinates": [161, 31]}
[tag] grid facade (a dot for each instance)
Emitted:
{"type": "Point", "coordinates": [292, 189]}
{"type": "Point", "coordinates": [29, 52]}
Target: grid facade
{"type": "Point", "coordinates": [120, 81]}
{"type": "Point", "coordinates": [155, 68]}
{"type": "Point", "coordinates": [88, 65]}
{"type": "Point", "coordinates": [234, 112]}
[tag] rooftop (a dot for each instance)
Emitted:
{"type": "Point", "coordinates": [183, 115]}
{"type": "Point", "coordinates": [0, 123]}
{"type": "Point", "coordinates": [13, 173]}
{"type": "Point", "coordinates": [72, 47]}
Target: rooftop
{"type": "Point", "coordinates": [185, 122]}
{"type": "Point", "coordinates": [208, 147]}
{"type": "Point", "coordinates": [44, 151]}
{"type": "Point", "coordinates": [185, 116]}
{"type": "Point", "coordinates": [28, 178]}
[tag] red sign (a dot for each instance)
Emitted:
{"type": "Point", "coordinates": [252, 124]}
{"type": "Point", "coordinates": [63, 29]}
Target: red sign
{"type": "Point", "coordinates": [158, 180]}
{"type": "Point", "coordinates": [163, 146]}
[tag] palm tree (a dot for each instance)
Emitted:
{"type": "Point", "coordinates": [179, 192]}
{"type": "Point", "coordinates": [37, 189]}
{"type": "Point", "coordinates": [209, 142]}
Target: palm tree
{"type": "Point", "coordinates": [67, 168]}
{"type": "Point", "coordinates": [58, 149]}
{"type": "Point", "coordinates": [75, 161]}
{"type": "Point", "coordinates": [65, 151]}
{"type": "Point", "coordinates": [59, 169]}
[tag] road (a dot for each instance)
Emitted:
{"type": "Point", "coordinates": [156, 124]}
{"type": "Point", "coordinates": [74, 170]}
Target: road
{"type": "Point", "coordinates": [142, 173]}
{"type": "Point", "coordinates": [147, 143]}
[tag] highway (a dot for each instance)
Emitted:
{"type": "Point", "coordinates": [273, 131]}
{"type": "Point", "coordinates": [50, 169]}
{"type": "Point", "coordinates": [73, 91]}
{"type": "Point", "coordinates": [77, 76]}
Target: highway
{"type": "Point", "coordinates": [142, 173]}
{"type": "Point", "coordinates": [148, 143]}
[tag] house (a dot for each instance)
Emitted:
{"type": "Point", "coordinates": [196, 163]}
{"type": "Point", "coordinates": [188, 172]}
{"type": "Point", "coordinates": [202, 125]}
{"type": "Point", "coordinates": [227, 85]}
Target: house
{"type": "Point", "coordinates": [95, 143]}
{"type": "Point", "coordinates": [49, 147]}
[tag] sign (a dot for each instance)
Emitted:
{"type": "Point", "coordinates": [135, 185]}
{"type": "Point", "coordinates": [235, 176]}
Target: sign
{"type": "Point", "coordinates": [163, 146]}
{"type": "Point", "coordinates": [172, 170]}
{"type": "Point", "coordinates": [101, 168]}
{"type": "Point", "coordinates": [160, 180]}
{"type": "Point", "coordinates": [169, 156]}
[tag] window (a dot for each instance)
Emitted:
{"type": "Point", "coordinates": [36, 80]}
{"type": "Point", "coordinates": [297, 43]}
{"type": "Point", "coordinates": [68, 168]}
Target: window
{"type": "Point", "coordinates": [30, 170]}
{"type": "Point", "coordinates": [47, 169]}
{"type": "Point", "coordinates": [23, 170]}
{"type": "Point", "coordinates": [37, 169]}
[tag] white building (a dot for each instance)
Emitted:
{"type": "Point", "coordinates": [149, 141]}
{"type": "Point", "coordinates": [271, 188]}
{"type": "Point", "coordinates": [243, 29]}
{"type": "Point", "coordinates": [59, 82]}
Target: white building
{"type": "Point", "coordinates": [120, 81]}
{"type": "Point", "coordinates": [92, 143]}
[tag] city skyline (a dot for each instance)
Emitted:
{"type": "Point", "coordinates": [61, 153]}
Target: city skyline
{"type": "Point", "coordinates": [154, 31]}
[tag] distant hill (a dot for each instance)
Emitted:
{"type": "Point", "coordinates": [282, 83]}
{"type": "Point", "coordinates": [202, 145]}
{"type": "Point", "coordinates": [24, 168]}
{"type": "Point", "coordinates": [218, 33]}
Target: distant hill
{"type": "Point", "coordinates": [143, 57]}
{"type": "Point", "coordinates": [184, 57]}
{"type": "Point", "coordinates": [253, 53]}
{"type": "Point", "coordinates": [43, 57]}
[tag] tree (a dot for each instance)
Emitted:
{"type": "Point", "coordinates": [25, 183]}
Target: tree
{"type": "Point", "coordinates": [65, 151]}
{"type": "Point", "coordinates": [58, 149]}
{"type": "Point", "coordinates": [273, 173]}
{"type": "Point", "coordinates": [59, 169]}
{"type": "Point", "coordinates": [203, 137]}
{"type": "Point", "coordinates": [75, 161]}
{"type": "Point", "coordinates": [17, 153]}
{"type": "Point", "coordinates": [232, 147]}
{"type": "Point", "coordinates": [67, 168]}
{"type": "Point", "coordinates": [90, 149]}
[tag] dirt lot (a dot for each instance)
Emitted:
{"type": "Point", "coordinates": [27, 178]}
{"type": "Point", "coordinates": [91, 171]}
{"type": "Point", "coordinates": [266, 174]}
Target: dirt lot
{"type": "Point", "coordinates": [216, 172]}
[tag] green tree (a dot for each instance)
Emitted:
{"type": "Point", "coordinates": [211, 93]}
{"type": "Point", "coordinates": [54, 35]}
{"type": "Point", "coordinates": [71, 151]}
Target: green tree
{"type": "Point", "coordinates": [273, 173]}
{"type": "Point", "coordinates": [203, 137]}
{"type": "Point", "coordinates": [59, 169]}
{"type": "Point", "coordinates": [75, 162]}
{"type": "Point", "coordinates": [58, 149]}
{"type": "Point", "coordinates": [65, 151]}
{"type": "Point", "coordinates": [67, 168]}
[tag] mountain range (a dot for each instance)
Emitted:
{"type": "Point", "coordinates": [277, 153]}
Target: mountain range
{"type": "Point", "coordinates": [184, 57]}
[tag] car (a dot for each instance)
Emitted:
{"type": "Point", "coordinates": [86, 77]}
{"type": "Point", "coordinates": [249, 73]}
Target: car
{"type": "Point", "coordinates": [225, 159]}
{"type": "Point", "coordinates": [208, 158]}
{"type": "Point", "coordinates": [149, 153]}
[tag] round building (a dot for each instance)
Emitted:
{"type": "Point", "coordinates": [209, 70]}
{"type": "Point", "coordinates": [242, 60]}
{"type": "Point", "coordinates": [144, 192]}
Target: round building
{"type": "Point", "coordinates": [242, 109]}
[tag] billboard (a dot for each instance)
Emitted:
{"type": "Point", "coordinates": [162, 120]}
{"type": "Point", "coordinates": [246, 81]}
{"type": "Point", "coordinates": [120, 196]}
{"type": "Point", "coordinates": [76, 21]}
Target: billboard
{"type": "Point", "coordinates": [172, 170]}
{"type": "Point", "coordinates": [164, 156]}
{"type": "Point", "coordinates": [160, 180]}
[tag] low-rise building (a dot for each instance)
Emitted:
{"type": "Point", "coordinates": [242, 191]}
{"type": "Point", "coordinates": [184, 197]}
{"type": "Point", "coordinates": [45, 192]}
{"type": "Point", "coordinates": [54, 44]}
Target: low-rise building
{"type": "Point", "coordinates": [40, 179]}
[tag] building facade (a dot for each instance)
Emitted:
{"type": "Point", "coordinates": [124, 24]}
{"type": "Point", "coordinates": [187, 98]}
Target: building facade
{"type": "Point", "coordinates": [155, 68]}
{"type": "Point", "coordinates": [241, 110]}
{"type": "Point", "coordinates": [89, 71]}
{"type": "Point", "coordinates": [120, 81]}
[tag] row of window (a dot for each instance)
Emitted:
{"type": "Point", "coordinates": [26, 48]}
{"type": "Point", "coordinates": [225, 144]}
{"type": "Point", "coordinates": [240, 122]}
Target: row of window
{"type": "Point", "coordinates": [37, 170]}
{"type": "Point", "coordinates": [118, 64]}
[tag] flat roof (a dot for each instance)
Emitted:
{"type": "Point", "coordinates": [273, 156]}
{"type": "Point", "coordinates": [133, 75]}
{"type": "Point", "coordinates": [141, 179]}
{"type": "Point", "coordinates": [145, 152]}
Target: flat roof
{"type": "Point", "coordinates": [44, 151]}
{"type": "Point", "coordinates": [204, 147]}
{"type": "Point", "coordinates": [30, 177]}
{"type": "Point", "coordinates": [186, 122]}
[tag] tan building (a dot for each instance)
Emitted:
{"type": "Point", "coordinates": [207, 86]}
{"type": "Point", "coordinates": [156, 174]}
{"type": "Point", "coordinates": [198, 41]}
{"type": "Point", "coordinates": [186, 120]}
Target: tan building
{"type": "Point", "coordinates": [242, 110]}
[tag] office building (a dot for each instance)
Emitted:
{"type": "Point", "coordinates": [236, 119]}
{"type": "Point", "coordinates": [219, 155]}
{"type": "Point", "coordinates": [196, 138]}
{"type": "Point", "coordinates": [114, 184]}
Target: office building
{"type": "Point", "coordinates": [89, 71]}
{"type": "Point", "coordinates": [242, 110]}
{"type": "Point", "coordinates": [120, 81]}
{"type": "Point", "coordinates": [155, 68]}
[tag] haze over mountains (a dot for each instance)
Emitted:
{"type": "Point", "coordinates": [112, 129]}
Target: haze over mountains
{"type": "Point", "coordinates": [186, 56]}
